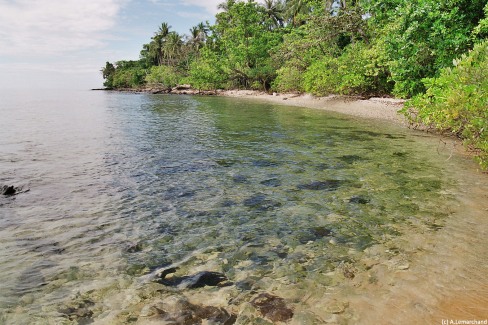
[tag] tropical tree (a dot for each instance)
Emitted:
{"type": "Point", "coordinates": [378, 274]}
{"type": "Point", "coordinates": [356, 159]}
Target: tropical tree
{"type": "Point", "coordinates": [226, 5]}
{"type": "Point", "coordinates": [274, 11]}
{"type": "Point", "coordinates": [424, 36]}
{"type": "Point", "coordinates": [157, 46]}
{"type": "Point", "coordinates": [295, 11]}
{"type": "Point", "coordinates": [172, 48]}
{"type": "Point", "coordinates": [108, 73]}
{"type": "Point", "coordinates": [198, 35]}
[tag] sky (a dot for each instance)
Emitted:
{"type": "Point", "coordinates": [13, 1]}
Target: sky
{"type": "Point", "coordinates": [64, 43]}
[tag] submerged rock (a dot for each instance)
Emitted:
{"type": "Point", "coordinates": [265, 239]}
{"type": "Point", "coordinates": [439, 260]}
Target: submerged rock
{"type": "Point", "coordinates": [197, 280]}
{"type": "Point", "coordinates": [176, 192]}
{"type": "Point", "coordinates": [350, 159]}
{"type": "Point", "coordinates": [134, 247]}
{"type": "Point", "coordinates": [328, 185]}
{"type": "Point", "coordinates": [260, 202]}
{"type": "Point", "coordinates": [79, 311]}
{"type": "Point", "coordinates": [359, 200]}
{"type": "Point", "coordinates": [10, 190]}
{"type": "Point", "coordinates": [239, 179]}
{"type": "Point", "coordinates": [272, 307]}
{"type": "Point", "coordinates": [178, 310]}
{"type": "Point", "coordinates": [264, 163]}
{"type": "Point", "coordinates": [272, 182]}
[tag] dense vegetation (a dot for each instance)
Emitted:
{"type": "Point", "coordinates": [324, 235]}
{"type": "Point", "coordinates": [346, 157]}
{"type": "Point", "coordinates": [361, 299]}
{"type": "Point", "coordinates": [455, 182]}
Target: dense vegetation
{"type": "Point", "coordinates": [432, 51]}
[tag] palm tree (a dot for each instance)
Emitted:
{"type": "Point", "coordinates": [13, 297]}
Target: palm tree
{"type": "Point", "coordinates": [149, 54]}
{"type": "Point", "coordinates": [274, 10]}
{"type": "Point", "coordinates": [224, 17]}
{"type": "Point", "coordinates": [157, 45]}
{"type": "Point", "coordinates": [294, 9]}
{"type": "Point", "coordinates": [196, 39]}
{"type": "Point", "coordinates": [172, 47]}
{"type": "Point", "coordinates": [203, 28]}
{"type": "Point", "coordinates": [226, 5]}
{"type": "Point", "coordinates": [163, 30]}
{"type": "Point", "coordinates": [198, 36]}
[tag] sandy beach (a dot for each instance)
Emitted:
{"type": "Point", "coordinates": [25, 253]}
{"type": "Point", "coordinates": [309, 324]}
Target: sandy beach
{"type": "Point", "coordinates": [374, 108]}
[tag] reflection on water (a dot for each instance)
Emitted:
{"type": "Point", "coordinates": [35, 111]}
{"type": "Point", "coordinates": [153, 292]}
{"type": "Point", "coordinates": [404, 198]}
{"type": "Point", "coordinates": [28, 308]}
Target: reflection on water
{"type": "Point", "coordinates": [300, 211]}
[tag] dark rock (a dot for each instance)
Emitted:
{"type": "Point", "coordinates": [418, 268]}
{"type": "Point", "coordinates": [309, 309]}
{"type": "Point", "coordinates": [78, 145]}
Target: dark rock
{"type": "Point", "coordinates": [134, 247]}
{"type": "Point", "coordinates": [180, 311]}
{"type": "Point", "coordinates": [350, 159]}
{"type": "Point", "coordinates": [280, 251]}
{"type": "Point", "coordinates": [328, 185]}
{"type": "Point", "coordinates": [228, 203]}
{"type": "Point", "coordinates": [225, 162]}
{"type": "Point", "coordinates": [255, 200]}
{"type": "Point", "coordinates": [264, 163]}
{"type": "Point", "coordinates": [305, 236]}
{"type": "Point", "coordinates": [160, 91]}
{"type": "Point", "coordinates": [320, 232]}
{"type": "Point", "coordinates": [359, 200]}
{"type": "Point", "coordinates": [273, 182]}
{"type": "Point", "coordinates": [167, 230]}
{"type": "Point", "coordinates": [79, 312]}
{"type": "Point", "coordinates": [202, 279]}
{"type": "Point", "coordinates": [400, 154]}
{"type": "Point", "coordinates": [9, 190]}
{"type": "Point", "coordinates": [245, 285]}
{"type": "Point", "coordinates": [260, 202]}
{"type": "Point", "coordinates": [175, 192]}
{"type": "Point", "coordinates": [313, 234]}
{"type": "Point", "coordinates": [272, 307]}
{"type": "Point", "coordinates": [197, 280]}
{"type": "Point", "coordinates": [182, 87]}
{"type": "Point", "coordinates": [239, 179]}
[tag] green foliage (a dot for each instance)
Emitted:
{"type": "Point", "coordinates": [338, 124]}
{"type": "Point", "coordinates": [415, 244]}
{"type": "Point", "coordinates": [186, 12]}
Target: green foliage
{"type": "Point", "coordinates": [481, 31]}
{"type": "Point", "coordinates": [243, 40]}
{"type": "Point", "coordinates": [108, 73]}
{"type": "Point", "coordinates": [128, 74]}
{"type": "Point", "coordinates": [163, 75]}
{"type": "Point", "coordinates": [321, 77]}
{"type": "Point", "coordinates": [289, 78]}
{"type": "Point", "coordinates": [206, 73]}
{"type": "Point", "coordinates": [457, 101]}
{"type": "Point", "coordinates": [424, 36]}
{"type": "Point", "coordinates": [360, 70]}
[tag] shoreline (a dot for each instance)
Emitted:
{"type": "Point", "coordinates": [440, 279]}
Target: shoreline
{"type": "Point", "coordinates": [385, 109]}
{"type": "Point", "coordinates": [377, 108]}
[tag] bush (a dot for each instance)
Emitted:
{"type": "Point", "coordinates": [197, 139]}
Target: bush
{"type": "Point", "coordinates": [206, 73]}
{"type": "Point", "coordinates": [163, 75]}
{"type": "Point", "coordinates": [289, 78]}
{"type": "Point", "coordinates": [425, 36]}
{"type": "Point", "coordinates": [457, 101]}
{"type": "Point", "coordinates": [360, 70]}
{"type": "Point", "coordinates": [131, 77]}
{"type": "Point", "coordinates": [322, 77]}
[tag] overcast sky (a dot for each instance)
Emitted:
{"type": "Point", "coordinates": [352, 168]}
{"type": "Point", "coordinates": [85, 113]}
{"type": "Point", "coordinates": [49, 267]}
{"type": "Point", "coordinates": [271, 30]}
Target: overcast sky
{"type": "Point", "coordinates": [64, 43]}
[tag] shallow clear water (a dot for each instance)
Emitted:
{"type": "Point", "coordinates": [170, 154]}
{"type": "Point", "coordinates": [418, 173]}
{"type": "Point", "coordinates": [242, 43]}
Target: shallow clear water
{"type": "Point", "coordinates": [122, 185]}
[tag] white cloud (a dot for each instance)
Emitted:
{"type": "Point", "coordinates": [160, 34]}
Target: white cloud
{"type": "Point", "coordinates": [36, 28]}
